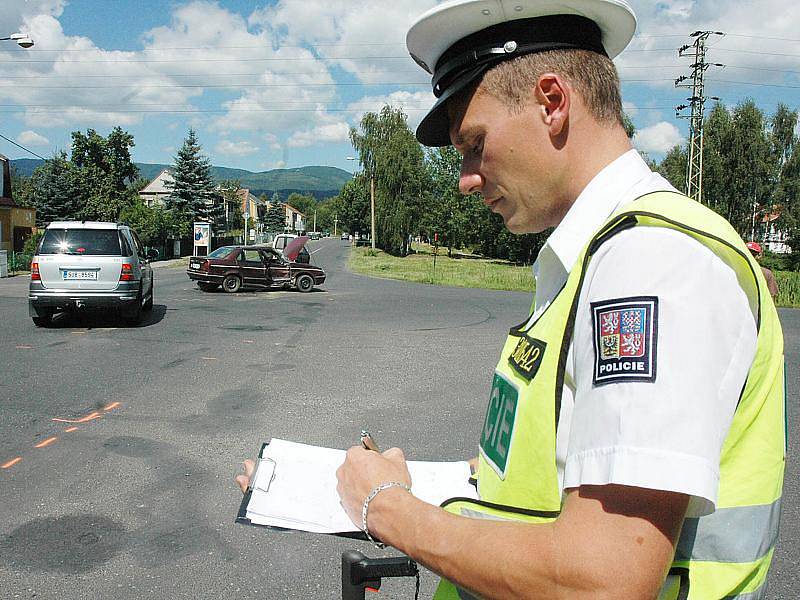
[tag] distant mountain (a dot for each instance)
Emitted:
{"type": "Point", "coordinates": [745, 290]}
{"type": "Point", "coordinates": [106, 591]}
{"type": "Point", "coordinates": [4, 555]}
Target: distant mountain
{"type": "Point", "coordinates": [320, 182]}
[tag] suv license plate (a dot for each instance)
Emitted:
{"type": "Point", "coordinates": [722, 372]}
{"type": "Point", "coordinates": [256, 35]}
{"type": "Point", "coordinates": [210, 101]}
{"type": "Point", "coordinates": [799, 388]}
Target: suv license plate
{"type": "Point", "coordinates": [194, 266]}
{"type": "Point", "coordinates": [73, 275]}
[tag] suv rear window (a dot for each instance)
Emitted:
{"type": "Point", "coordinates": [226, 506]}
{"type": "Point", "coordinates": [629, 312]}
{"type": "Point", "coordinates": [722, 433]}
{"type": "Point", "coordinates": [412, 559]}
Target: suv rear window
{"type": "Point", "coordinates": [82, 242]}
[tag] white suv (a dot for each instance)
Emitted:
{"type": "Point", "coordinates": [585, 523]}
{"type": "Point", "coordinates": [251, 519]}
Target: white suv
{"type": "Point", "coordinates": [87, 264]}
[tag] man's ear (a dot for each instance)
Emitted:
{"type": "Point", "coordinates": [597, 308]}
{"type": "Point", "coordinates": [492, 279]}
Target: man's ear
{"type": "Point", "coordinates": [553, 96]}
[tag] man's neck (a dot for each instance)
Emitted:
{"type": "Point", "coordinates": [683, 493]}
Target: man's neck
{"type": "Point", "coordinates": [591, 148]}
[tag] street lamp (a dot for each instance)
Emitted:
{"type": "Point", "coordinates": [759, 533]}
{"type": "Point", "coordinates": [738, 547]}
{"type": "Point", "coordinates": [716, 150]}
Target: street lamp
{"type": "Point", "coordinates": [21, 38]}
{"type": "Point", "coordinates": [371, 204]}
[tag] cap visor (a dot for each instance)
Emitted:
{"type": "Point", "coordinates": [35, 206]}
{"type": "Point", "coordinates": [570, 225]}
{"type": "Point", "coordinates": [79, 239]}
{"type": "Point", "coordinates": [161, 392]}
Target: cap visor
{"type": "Point", "coordinates": [434, 129]}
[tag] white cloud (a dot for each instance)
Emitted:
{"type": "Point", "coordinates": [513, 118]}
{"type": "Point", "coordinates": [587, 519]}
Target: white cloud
{"type": "Point", "coordinates": [414, 104]}
{"type": "Point", "coordinates": [31, 138]}
{"type": "Point", "coordinates": [658, 139]}
{"type": "Point", "coordinates": [230, 148]}
{"type": "Point", "coordinates": [326, 133]}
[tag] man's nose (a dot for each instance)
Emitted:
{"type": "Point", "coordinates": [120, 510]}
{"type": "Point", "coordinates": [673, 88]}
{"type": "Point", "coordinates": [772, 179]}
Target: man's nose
{"type": "Point", "coordinates": [470, 180]}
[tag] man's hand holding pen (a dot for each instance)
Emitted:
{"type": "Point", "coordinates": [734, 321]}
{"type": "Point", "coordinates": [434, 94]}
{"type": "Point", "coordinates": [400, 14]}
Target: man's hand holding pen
{"type": "Point", "coordinates": [364, 469]}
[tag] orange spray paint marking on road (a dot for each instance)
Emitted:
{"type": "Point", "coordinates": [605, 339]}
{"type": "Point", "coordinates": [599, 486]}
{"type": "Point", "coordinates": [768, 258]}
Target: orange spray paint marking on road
{"type": "Point", "coordinates": [70, 429]}
{"type": "Point", "coordinates": [11, 463]}
{"type": "Point", "coordinates": [112, 406]}
{"type": "Point", "coordinates": [89, 417]}
{"type": "Point", "coordinates": [46, 442]}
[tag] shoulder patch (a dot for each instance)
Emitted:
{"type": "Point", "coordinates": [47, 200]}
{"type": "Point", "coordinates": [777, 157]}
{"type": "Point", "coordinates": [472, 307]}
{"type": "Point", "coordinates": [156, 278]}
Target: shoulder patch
{"type": "Point", "coordinates": [527, 357]}
{"type": "Point", "coordinates": [625, 336]}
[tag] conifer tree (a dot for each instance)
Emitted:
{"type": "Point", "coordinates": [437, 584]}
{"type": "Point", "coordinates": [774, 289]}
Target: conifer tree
{"type": "Point", "coordinates": [54, 190]}
{"type": "Point", "coordinates": [275, 217]}
{"type": "Point", "coordinates": [192, 191]}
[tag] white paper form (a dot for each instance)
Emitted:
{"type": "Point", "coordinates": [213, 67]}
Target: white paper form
{"type": "Point", "coordinates": [295, 487]}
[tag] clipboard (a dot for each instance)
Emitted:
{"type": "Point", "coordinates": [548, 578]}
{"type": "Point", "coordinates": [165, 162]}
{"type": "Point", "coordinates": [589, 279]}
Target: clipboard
{"type": "Point", "coordinates": [433, 482]}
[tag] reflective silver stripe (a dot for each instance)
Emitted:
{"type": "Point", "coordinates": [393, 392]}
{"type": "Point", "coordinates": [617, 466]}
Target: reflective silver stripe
{"type": "Point", "coordinates": [759, 594]}
{"type": "Point", "coordinates": [734, 535]}
{"type": "Point", "coordinates": [476, 514]}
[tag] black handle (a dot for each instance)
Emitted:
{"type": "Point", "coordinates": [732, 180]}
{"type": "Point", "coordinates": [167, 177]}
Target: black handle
{"type": "Point", "coordinates": [360, 572]}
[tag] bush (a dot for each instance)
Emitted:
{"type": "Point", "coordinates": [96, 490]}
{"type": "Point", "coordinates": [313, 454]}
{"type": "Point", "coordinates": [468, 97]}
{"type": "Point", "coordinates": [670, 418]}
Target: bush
{"type": "Point", "coordinates": [32, 242]}
{"type": "Point", "coordinates": [788, 288]}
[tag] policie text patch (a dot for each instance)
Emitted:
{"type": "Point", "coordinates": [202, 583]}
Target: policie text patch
{"type": "Point", "coordinates": [625, 335]}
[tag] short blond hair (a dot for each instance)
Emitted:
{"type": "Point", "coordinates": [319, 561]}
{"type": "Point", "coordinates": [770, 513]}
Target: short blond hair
{"type": "Point", "coordinates": [592, 75]}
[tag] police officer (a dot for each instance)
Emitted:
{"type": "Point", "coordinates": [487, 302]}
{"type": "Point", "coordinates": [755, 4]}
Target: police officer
{"type": "Point", "coordinates": [633, 444]}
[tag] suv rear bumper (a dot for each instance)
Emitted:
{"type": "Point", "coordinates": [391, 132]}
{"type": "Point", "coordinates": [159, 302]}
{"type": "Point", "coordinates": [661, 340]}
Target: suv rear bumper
{"type": "Point", "coordinates": [39, 297]}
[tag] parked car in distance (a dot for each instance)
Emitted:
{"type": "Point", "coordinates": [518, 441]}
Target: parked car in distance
{"type": "Point", "coordinates": [345, 237]}
{"type": "Point", "coordinates": [260, 267]}
{"type": "Point", "coordinates": [90, 264]}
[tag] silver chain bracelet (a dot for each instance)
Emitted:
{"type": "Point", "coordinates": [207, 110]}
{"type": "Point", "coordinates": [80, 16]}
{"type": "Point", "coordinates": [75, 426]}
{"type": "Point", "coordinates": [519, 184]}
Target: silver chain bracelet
{"type": "Point", "coordinates": [370, 497]}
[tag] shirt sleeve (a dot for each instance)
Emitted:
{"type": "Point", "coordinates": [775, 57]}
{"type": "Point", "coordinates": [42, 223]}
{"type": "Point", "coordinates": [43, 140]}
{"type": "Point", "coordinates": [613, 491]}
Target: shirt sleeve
{"type": "Point", "coordinates": [662, 430]}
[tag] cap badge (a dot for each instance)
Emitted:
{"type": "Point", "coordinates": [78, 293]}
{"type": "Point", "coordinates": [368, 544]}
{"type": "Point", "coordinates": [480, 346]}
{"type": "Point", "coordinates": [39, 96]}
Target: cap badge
{"type": "Point", "coordinates": [510, 47]}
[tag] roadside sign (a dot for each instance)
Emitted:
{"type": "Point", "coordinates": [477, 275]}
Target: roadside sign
{"type": "Point", "coordinates": [202, 239]}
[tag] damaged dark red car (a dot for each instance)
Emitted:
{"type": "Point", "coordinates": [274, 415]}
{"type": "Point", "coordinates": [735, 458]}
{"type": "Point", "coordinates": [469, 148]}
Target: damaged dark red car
{"type": "Point", "coordinates": [259, 267]}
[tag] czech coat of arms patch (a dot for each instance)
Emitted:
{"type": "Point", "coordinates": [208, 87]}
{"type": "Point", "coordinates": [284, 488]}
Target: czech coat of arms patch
{"type": "Point", "coordinates": [625, 339]}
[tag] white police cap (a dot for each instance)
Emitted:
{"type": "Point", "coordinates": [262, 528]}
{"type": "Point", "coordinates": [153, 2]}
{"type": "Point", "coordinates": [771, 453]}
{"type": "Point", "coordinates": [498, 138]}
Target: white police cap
{"type": "Point", "coordinates": [459, 40]}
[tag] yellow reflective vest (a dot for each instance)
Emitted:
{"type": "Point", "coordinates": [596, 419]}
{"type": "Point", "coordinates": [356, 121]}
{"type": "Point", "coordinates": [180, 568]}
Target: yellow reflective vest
{"type": "Point", "coordinates": [722, 555]}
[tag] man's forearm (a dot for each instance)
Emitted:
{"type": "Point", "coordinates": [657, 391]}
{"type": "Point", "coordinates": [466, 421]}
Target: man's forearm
{"type": "Point", "coordinates": [517, 560]}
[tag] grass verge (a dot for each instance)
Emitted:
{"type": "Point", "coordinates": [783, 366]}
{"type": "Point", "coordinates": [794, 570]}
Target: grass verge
{"type": "Point", "coordinates": [460, 271]}
{"type": "Point", "coordinates": [470, 271]}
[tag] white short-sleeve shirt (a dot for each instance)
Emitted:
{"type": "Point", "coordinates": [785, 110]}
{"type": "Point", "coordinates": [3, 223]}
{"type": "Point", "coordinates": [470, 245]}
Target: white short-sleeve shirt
{"type": "Point", "coordinates": [665, 434]}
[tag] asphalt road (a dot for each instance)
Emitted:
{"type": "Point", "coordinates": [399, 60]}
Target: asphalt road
{"type": "Point", "coordinates": [130, 494]}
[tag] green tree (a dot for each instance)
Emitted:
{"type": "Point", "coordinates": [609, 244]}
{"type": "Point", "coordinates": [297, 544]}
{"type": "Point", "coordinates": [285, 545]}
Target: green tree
{"type": "Point", "coordinates": [22, 188]}
{"type": "Point", "coordinates": [153, 224]}
{"type": "Point", "coordinates": [275, 217]}
{"type": "Point", "coordinates": [673, 167]}
{"type": "Point", "coordinates": [352, 205]}
{"type": "Point", "coordinates": [229, 191]}
{"type": "Point", "coordinates": [55, 190]}
{"type": "Point", "coordinates": [389, 152]}
{"type": "Point", "coordinates": [192, 190]}
{"type": "Point", "coordinates": [306, 204]}
{"type": "Point", "coordinates": [105, 172]}
{"type": "Point", "coordinates": [449, 212]}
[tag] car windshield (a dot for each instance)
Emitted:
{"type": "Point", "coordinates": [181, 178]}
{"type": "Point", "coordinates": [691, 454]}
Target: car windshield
{"type": "Point", "coordinates": [82, 242]}
{"type": "Point", "coordinates": [223, 252]}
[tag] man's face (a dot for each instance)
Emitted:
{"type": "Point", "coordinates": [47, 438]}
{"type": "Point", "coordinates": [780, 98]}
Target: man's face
{"type": "Point", "coordinates": [508, 159]}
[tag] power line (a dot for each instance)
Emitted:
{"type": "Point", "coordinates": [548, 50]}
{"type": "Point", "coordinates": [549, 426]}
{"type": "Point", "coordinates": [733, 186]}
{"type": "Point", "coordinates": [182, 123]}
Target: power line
{"type": "Point", "coordinates": [22, 147]}
{"type": "Point", "coordinates": [63, 109]}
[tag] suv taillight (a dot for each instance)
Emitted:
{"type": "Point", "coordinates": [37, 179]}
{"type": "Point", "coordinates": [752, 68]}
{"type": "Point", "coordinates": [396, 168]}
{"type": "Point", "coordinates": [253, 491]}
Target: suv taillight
{"type": "Point", "coordinates": [35, 272]}
{"type": "Point", "coordinates": [127, 272]}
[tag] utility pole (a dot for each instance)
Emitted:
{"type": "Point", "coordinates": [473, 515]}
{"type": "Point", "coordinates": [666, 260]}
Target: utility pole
{"type": "Point", "coordinates": [694, 164]}
{"type": "Point", "coordinates": [372, 207]}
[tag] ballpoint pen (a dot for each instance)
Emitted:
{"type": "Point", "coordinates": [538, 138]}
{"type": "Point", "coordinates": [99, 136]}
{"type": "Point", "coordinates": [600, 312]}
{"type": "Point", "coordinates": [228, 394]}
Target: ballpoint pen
{"type": "Point", "coordinates": [368, 442]}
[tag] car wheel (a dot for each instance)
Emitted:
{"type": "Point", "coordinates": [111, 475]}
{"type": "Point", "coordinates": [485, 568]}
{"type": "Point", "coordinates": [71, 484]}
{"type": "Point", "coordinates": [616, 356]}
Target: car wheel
{"type": "Point", "coordinates": [304, 283]}
{"type": "Point", "coordinates": [207, 287]}
{"type": "Point", "coordinates": [133, 314]}
{"type": "Point", "coordinates": [42, 318]}
{"type": "Point", "coordinates": [231, 284]}
{"type": "Point", "coordinates": [148, 305]}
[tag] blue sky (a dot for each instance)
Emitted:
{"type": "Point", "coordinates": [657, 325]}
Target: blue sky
{"type": "Point", "coordinates": [277, 84]}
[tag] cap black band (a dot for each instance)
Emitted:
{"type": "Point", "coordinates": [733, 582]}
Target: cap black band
{"type": "Point", "coordinates": [511, 39]}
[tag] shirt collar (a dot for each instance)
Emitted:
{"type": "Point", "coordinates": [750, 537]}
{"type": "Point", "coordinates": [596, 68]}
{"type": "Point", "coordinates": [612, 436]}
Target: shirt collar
{"type": "Point", "coordinates": [608, 190]}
